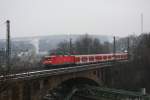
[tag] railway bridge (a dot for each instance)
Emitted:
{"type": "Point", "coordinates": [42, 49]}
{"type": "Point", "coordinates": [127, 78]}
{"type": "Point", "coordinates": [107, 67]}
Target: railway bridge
{"type": "Point", "coordinates": [34, 85]}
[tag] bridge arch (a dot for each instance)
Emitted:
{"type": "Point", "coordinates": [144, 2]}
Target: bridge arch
{"type": "Point", "coordinates": [79, 81]}
{"type": "Point", "coordinates": [66, 87]}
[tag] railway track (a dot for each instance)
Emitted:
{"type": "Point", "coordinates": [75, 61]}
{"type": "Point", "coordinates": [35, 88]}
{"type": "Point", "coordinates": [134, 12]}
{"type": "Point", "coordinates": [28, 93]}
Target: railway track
{"type": "Point", "coordinates": [50, 72]}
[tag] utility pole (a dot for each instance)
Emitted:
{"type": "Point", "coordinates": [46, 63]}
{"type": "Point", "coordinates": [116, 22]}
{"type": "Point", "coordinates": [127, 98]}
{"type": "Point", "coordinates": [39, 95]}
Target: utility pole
{"type": "Point", "coordinates": [70, 46]}
{"type": "Point", "coordinates": [8, 47]}
{"type": "Point", "coordinates": [128, 48]}
{"type": "Point", "coordinates": [114, 46]}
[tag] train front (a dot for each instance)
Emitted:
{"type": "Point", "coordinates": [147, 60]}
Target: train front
{"type": "Point", "coordinates": [47, 60]}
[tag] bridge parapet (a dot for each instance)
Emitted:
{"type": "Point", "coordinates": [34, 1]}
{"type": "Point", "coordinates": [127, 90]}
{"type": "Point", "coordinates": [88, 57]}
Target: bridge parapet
{"type": "Point", "coordinates": [58, 71]}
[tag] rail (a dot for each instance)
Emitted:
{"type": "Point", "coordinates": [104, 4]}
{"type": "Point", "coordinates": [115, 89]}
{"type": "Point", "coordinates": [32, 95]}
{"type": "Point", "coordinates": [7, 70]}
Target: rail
{"type": "Point", "coordinates": [50, 72]}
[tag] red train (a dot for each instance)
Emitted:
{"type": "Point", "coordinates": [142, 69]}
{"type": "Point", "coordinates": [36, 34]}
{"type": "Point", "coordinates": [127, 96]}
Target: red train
{"type": "Point", "coordinates": [82, 59]}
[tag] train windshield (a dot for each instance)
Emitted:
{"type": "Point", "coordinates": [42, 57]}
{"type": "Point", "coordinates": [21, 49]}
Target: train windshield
{"type": "Point", "coordinates": [48, 58]}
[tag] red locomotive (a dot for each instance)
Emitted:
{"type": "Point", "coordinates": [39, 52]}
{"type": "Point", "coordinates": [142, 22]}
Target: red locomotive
{"type": "Point", "coordinates": [82, 59]}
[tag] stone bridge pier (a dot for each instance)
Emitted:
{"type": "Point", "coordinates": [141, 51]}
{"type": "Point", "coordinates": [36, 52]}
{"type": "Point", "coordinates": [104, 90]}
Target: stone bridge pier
{"type": "Point", "coordinates": [36, 88]}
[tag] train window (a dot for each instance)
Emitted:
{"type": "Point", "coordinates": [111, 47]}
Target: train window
{"type": "Point", "coordinates": [48, 58]}
{"type": "Point", "coordinates": [91, 58]}
{"type": "Point", "coordinates": [118, 56]}
{"type": "Point", "coordinates": [98, 57]}
{"type": "Point", "coordinates": [109, 57]}
{"type": "Point", "coordinates": [125, 56]}
{"type": "Point", "coordinates": [104, 57]}
{"type": "Point", "coordinates": [84, 59]}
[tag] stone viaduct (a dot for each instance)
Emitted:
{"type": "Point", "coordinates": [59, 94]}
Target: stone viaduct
{"type": "Point", "coordinates": [34, 85]}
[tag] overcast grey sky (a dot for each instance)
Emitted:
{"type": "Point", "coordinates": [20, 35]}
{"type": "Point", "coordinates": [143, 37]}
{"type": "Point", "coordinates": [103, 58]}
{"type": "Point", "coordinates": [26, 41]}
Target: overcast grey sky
{"type": "Point", "coordinates": [46, 17]}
